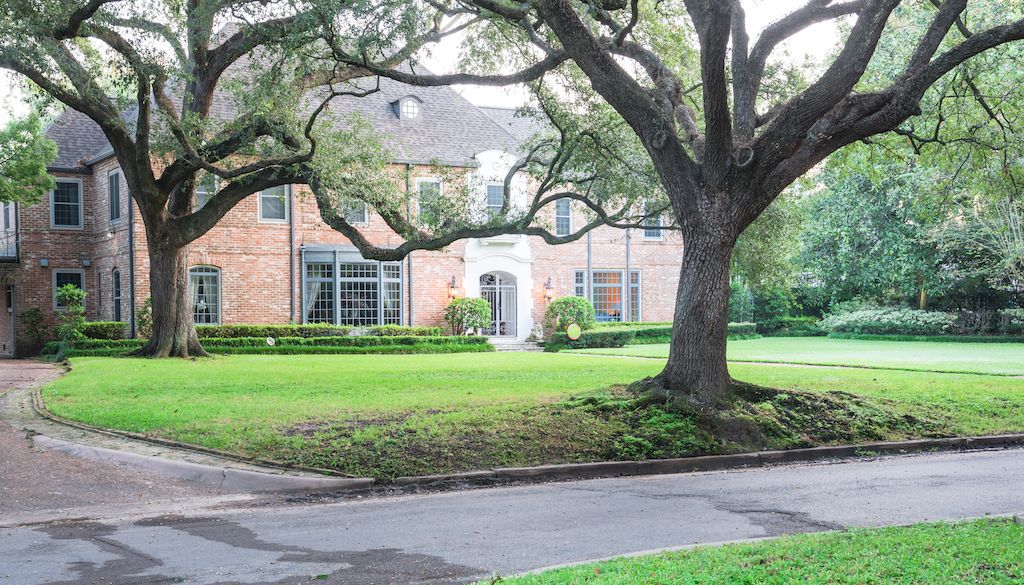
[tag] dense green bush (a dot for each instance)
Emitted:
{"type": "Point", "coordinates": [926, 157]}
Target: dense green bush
{"type": "Point", "coordinates": [105, 329]}
{"type": "Point", "coordinates": [940, 338]}
{"type": "Point", "coordinates": [590, 339]}
{"type": "Point", "coordinates": [897, 321]}
{"type": "Point", "coordinates": [565, 311]}
{"type": "Point", "coordinates": [791, 327]}
{"type": "Point", "coordinates": [71, 319]}
{"type": "Point", "coordinates": [247, 330]}
{"type": "Point", "coordinates": [399, 330]}
{"type": "Point", "coordinates": [467, 314]}
{"type": "Point", "coordinates": [144, 319]}
{"type": "Point", "coordinates": [661, 332]}
{"type": "Point", "coordinates": [34, 325]}
{"type": "Point", "coordinates": [251, 344]}
{"type": "Point", "coordinates": [1011, 321]}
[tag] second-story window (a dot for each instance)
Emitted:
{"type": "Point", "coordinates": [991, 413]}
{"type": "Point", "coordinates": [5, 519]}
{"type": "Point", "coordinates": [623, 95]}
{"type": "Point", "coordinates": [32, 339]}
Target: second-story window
{"type": "Point", "coordinates": [652, 225]}
{"type": "Point", "coordinates": [206, 186]}
{"type": "Point", "coordinates": [428, 193]}
{"type": "Point", "coordinates": [274, 204]}
{"type": "Point", "coordinates": [563, 217]}
{"type": "Point", "coordinates": [66, 205]}
{"type": "Point", "coordinates": [355, 212]}
{"type": "Point", "coordinates": [495, 199]}
{"type": "Point", "coordinates": [114, 195]}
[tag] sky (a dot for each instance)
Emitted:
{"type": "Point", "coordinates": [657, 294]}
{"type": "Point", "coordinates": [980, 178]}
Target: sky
{"type": "Point", "coordinates": [813, 41]}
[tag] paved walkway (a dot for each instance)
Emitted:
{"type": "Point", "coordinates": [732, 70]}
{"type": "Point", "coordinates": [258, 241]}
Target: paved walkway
{"type": "Point", "coordinates": [463, 536]}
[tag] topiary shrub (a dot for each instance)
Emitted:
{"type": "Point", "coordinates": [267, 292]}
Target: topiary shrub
{"type": "Point", "coordinates": [105, 329]}
{"type": "Point", "coordinates": [71, 320]}
{"type": "Point", "coordinates": [567, 310]}
{"type": "Point", "coordinates": [467, 314]}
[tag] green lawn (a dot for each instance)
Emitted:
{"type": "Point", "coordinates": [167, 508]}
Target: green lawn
{"type": "Point", "coordinates": [387, 416]}
{"type": "Point", "coordinates": [1005, 359]}
{"type": "Point", "coordinates": [986, 552]}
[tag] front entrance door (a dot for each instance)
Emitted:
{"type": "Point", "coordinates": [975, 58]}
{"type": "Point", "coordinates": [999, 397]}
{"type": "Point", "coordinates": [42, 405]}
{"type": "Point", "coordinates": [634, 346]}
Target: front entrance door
{"type": "Point", "coordinates": [499, 289]}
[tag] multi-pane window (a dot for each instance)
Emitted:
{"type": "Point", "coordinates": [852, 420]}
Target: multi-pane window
{"type": "Point", "coordinates": [116, 293]}
{"type": "Point", "coordinates": [607, 294]}
{"type": "Point", "coordinates": [204, 287]}
{"type": "Point", "coordinates": [65, 277]}
{"type": "Point", "coordinates": [274, 204]}
{"type": "Point", "coordinates": [66, 205]}
{"type": "Point", "coordinates": [495, 199]}
{"type": "Point", "coordinates": [114, 194]}
{"type": "Point", "coordinates": [206, 186]}
{"type": "Point", "coordinates": [652, 225]}
{"type": "Point", "coordinates": [563, 217]}
{"type": "Point", "coordinates": [410, 109]}
{"type": "Point", "coordinates": [358, 293]}
{"type": "Point", "coordinates": [430, 202]}
{"type": "Point", "coordinates": [319, 294]}
{"type": "Point", "coordinates": [355, 212]}
{"type": "Point", "coordinates": [8, 233]}
{"type": "Point", "coordinates": [7, 217]}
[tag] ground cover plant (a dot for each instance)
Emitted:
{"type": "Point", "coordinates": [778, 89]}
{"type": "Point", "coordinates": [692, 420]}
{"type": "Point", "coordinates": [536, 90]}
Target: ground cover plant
{"type": "Point", "coordinates": [981, 358]}
{"type": "Point", "coordinates": [979, 552]}
{"type": "Point", "coordinates": [389, 416]}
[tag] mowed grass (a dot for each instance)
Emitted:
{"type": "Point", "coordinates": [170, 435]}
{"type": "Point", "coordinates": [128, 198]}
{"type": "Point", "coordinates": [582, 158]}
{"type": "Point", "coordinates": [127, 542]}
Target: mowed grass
{"type": "Point", "coordinates": [988, 552]}
{"type": "Point", "coordinates": [1005, 359]}
{"type": "Point", "coordinates": [387, 416]}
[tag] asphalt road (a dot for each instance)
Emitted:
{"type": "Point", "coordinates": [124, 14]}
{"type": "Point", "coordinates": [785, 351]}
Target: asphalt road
{"type": "Point", "coordinates": [461, 536]}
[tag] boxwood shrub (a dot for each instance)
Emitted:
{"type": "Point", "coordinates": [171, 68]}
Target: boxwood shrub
{"type": "Point", "coordinates": [590, 339]}
{"type": "Point", "coordinates": [105, 329]}
{"type": "Point", "coordinates": [355, 344]}
{"type": "Point", "coordinates": [253, 330]}
{"type": "Point", "coordinates": [400, 330]}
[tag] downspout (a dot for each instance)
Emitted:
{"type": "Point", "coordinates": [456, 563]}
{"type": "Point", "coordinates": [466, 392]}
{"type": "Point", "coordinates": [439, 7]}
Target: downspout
{"type": "Point", "coordinates": [131, 268]}
{"type": "Point", "coordinates": [291, 254]}
{"type": "Point", "coordinates": [408, 213]}
{"type": "Point", "coordinates": [590, 266]}
{"type": "Point", "coordinates": [628, 298]}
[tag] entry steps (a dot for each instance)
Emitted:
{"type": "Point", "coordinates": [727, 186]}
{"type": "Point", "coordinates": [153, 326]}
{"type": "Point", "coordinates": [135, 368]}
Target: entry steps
{"type": "Point", "coordinates": [505, 344]}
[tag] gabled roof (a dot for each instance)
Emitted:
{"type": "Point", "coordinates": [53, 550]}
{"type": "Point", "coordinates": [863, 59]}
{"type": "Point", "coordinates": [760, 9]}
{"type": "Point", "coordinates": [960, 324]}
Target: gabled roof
{"type": "Point", "coordinates": [449, 129]}
{"type": "Point", "coordinates": [520, 123]}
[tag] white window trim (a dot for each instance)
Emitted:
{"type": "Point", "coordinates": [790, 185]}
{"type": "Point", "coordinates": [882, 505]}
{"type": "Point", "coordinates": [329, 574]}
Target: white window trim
{"type": "Point", "coordinates": [120, 198]}
{"type": "Point", "coordinates": [211, 194]}
{"type": "Point", "coordinates": [421, 180]}
{"type": "Point", "coordinates": [81, 206]}
{"type": "Point", "coordinates": [53, 284]}
{"type": "Point", "coordinates": [487, 205]}
{"type": "Point", "coordinates": [570, 218]}
{"type": "Point", "coordinates": [287, 207]}
{"type": "Point", "coordinates": [220, 292]}
{"type": "Point", "coordinates": [402, 115]}
{"type": "Point", "coordinates": [366, 214]}
{"type": "Point", "coordinates": [659, 227]}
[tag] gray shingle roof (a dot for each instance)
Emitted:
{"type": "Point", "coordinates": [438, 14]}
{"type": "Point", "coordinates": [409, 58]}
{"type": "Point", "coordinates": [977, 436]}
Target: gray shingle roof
{"type": "Point", "coordinates": [517, 122]}
{"type": "Point", "coordinates": [449, 129]}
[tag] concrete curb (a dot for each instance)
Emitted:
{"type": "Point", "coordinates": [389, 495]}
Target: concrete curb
{"type": "Point", "coordinates": [575, 471]}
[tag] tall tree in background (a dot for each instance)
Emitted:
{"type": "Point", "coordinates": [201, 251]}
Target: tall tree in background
{"type": "Point", "coordinates": [726, 149]}
{"type": "Point", "coordinates": [24, 153]}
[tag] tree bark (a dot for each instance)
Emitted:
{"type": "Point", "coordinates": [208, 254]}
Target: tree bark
{"type": "Point", "coordinates": [697, 371]}
{"type": "Point", "coordinates": [174, 332]}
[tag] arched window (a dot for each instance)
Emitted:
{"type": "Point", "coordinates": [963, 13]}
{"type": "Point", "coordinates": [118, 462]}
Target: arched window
{"type": "Point", "coordinates": [204, 288]}
{"type": "Point", "coordinates": [410, 109]}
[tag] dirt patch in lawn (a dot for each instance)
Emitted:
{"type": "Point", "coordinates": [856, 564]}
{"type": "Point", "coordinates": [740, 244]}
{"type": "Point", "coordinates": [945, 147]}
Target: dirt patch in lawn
{"type": "Point", "coordinates": [614, 424]}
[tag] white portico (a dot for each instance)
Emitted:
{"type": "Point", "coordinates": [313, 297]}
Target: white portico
{"type": "Point", "coordinates": [499, 268]}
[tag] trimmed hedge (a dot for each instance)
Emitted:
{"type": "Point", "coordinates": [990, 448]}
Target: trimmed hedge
{"type": "Point", "coordinates": [404, 330]}
{"type": "Point", "coordinates": [942, 338]}
{"type": "Point", "coordinates": [418, 348]}
{"type": "Point", "coordinates": [105, 329]}
{"type": "Point", "coordinates": [802, 326]}
{"type": "Point", "coordinates": [220, 344]}
{"type": "Point", "coordinates": [247, 330]}
{"type": "Point", "coordinates": [661, 332]}
{"type": "Point", "coordinates": [889, 321]}
{"type": "Point", "coordinates": [591, 339]}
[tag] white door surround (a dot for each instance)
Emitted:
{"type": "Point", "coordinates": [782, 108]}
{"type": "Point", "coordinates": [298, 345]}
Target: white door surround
{"type": "Point", "coordinates": [510, 256]}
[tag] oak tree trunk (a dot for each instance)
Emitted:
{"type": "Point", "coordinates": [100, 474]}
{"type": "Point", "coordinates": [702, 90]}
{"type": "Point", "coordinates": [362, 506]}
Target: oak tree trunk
{"type": "Point", "coordinates": [174, 332]}
{"type": "Point", "coordinates": [696, 371]}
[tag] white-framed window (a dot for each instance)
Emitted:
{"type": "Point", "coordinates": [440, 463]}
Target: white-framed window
{"type": "Point", "coordinates": [495, 199]}
{"type": "Point", "coordinates": [206, 187]}
{"type": "Point", "coordinates": [607, 294]}
{"type": "Point", "coordinates": [63, 277]}
{"type": "Point", "coordinates": [652, 226]}
{"type": "Point", "coordinates": [563, 217]}
{"type": "Point", "coordinates": [204, 288]}
{"type": "Point", "coordinates": [355, 212]}
{"type": "Point", "coordinates": [429, 199]}
{"type": "Point", "coordinates": [409, 109]}
{"type": "Point", "coordinates": [274, 204]}
{"type": "Point", "coordinates": [115, 295]}
{"type": "Point", "coordinates": [114, 195]}
{"type": "Point", "coordinates": [7, 217]}
{"type": "Point", "coordinates": [66, 209]}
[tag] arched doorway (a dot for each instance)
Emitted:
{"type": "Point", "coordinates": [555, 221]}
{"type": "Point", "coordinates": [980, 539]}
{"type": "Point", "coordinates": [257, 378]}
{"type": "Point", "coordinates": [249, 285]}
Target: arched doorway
{"type": "Point", "coordinates": [499, 288]}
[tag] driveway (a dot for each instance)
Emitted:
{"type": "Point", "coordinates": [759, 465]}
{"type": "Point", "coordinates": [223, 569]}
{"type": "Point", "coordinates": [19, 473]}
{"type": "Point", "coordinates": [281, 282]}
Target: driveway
{"type": "Point", "coordinates": [461, 536]}
{"type": "Point", "coordinates": [39, 483]}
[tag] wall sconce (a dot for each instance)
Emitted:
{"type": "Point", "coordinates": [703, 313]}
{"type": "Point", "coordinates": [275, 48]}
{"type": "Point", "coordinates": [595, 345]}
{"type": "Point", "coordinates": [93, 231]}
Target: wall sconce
{"type": "Point", "coordinates": [549, 289]}
{"type": "Point", "coordinates": [453, 288]}
{"type": "Point", "coordinates": [85, 263]}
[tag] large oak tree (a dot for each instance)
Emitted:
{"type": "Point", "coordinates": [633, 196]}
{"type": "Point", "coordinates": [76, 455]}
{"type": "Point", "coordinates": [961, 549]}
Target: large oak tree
{"type": "Point", "coordinates": [726, 146]}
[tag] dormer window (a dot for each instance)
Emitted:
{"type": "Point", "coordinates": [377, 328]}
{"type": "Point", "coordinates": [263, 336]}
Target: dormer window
{"type": "Point", "coordinates": [408, 107]}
